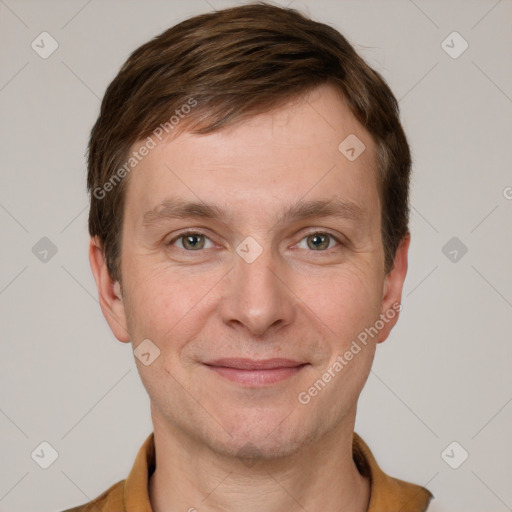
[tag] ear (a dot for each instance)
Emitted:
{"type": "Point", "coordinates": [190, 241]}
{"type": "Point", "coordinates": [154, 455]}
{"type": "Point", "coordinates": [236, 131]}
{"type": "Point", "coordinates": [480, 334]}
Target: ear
{"type": "Point", "coordinates": [109, 292]}
{"type": "Point", "coordinates": [392, 290]}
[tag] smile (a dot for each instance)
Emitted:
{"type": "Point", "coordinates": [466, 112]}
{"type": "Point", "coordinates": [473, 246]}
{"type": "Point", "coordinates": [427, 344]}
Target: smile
{"type": "Point", "coordinates": [253, 373]}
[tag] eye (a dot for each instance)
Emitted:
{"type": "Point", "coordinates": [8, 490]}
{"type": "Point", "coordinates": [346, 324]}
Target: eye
{"type": "Point", "coordinates": [318, 241]}
{"type": "Point", "coordinates": [192, 241]}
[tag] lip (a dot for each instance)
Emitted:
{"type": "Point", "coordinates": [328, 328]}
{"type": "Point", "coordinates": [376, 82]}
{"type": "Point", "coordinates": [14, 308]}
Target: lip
{"type": "Point", "coordinates": [256, 373]}
{"type": "Point", "coordinates": [255, 364]}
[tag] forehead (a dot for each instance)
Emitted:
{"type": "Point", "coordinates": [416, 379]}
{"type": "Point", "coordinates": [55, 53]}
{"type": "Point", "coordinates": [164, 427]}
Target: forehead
{"type": "Point", "coordinates": [298, 150]}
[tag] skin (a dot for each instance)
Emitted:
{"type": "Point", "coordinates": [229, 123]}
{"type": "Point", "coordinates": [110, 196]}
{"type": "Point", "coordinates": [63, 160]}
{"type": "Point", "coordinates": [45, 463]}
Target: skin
{"type": "Point", "coordinates": [294, 301]}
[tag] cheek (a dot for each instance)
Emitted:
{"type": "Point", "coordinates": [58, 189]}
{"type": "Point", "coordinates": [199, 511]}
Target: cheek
{"type": "Point", "coordinates": [166, 303]}
{"type": "Point", "coordinates": [345, 302]}
{"type": "Point", "coordinates": [347, 306]}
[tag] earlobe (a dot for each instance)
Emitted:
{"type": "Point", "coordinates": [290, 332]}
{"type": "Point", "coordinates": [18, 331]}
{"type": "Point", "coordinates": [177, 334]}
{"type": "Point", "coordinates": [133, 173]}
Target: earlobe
{"type": "Point", "coordinates": [109, 292]}
{"type": "Point", "coordinates": [393, 286]}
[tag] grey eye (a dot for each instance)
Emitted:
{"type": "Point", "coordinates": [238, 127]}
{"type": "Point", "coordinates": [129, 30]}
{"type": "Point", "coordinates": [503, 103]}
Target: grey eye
{"type": "Point", "coordinates": [192, 241]}
{"type": "Point", "coordinates": [317, 241]}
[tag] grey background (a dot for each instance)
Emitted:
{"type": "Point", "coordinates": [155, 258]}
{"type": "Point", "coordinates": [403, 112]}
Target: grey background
{"type": "Point", "coordinates": [443, 376]}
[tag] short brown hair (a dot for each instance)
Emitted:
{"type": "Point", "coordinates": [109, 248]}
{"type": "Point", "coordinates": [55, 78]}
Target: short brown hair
{"type": "Point", "coordinates": [235, 63]}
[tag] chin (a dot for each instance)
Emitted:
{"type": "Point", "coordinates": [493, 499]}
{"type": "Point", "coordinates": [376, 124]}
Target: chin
{"type": "Point", "coordinates": [257, 448]}
{"type": "Point", "coordinates": [268, 438]}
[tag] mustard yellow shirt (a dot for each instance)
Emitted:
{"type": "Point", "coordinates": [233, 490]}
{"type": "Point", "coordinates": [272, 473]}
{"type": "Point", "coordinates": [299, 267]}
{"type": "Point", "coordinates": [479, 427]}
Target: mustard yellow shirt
{"type": "Point", "coordinates": [387, 494]}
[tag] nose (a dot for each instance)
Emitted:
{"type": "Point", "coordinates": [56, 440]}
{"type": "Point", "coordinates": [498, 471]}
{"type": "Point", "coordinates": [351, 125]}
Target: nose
{"type": "Point", "coordinates": [256, 296]}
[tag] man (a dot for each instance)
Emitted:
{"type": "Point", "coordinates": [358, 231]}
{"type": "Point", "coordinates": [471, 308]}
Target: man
{"type": "Point", "coordinates": [249, 234]}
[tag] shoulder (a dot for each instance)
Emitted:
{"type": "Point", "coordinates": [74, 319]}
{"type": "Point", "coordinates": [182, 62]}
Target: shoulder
{"type": "Point", "coordinates": [110, 500]}
{"type": "Point", "coordinates": [387, 493]}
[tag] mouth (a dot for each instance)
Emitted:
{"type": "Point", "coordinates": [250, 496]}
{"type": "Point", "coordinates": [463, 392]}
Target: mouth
{"type": "Point", "coordinates": [256, 373]}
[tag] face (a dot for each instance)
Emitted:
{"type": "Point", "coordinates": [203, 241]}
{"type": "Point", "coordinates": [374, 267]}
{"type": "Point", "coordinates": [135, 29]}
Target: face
{"type": "Point", "coordinates": [252, 258]}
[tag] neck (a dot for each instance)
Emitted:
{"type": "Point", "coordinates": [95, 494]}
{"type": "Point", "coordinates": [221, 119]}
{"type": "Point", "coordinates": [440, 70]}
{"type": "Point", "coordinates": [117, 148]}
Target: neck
{"type": "Point", "coordinates": [321, 476]}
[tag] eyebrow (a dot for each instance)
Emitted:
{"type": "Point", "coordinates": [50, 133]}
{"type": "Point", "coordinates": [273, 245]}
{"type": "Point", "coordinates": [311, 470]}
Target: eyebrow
{"type": "Point", "coordinates": [176, 208]}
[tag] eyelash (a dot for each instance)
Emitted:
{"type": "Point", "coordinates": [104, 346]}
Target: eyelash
{"type": "Point", "coordinates": [188, 233]}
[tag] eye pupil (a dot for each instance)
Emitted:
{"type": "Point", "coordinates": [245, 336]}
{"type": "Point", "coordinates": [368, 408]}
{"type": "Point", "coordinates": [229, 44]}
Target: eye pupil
{"type": "Point", "coordinates": [318, 242]}
{"type": "Point", "coordinates": [191, 241]}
